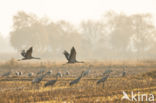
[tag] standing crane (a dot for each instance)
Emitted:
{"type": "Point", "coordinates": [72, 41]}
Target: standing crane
{"type": "Point", "coordinates": [49, 72]}
{"type": "Point", "coordinates": [67, 73]}
{"type": "Point", "coordinates": [59, 74]}
{"type": "Point", "coordinates": [85, 73]}
{"type": "Point", "coordinates": [6, 74]}
{"type": "Point", "coordinates": [38, 79]}
{"type": "Point", "coordinates": [103, 80]}
{"type": "Point", "coordinates": [28, 54]}
{"type": "Point", "coordinates": [30, 74]}
{"type": "Point", "coordinates": [108, 71]}
{"type": "Point", "coordinates": [51, 82]}
{"type": "Point", "coordinates": [123, 73]}
{"type": "Point", "coordinates": [18, 73]}
{"type": "Point", "coordinates": [40, 72]}
{"type": "Point", "coordinates": [76, 80]}
{"type": "Point", "coordinates": [71, 58]}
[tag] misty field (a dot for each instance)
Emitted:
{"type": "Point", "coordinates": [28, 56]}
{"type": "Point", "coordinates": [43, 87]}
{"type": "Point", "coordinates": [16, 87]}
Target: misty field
{"type": "Point", "coordinates": [140, 76]}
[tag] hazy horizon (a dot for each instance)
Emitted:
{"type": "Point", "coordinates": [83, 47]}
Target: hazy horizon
{"type": "Point", "coordinates": [84, 22]}
{"type": "Point", "coordinates": [73, 11]}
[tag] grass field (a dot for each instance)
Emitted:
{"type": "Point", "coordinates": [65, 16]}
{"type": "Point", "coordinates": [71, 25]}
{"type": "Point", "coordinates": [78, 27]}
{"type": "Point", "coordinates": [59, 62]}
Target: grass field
{"type": "Point", "coordinates": [140, 77]}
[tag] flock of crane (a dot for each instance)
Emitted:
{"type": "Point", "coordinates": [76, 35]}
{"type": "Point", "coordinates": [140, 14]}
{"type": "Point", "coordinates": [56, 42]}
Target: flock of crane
{"type": "Point", "coordinates": [71, 59]}
{"type": "Point", "coordinates": [42, 74]}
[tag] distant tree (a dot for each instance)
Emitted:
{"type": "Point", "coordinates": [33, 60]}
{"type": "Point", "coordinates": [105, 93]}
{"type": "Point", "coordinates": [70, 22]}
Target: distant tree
{"type": "Point", "coordinates": [130, 33]}
{"type": "Point", "coordinates": [23, 19]}
{"type": "Point", "coordinates": [69, 35]}
{"type": "Point", "coordinates": [121, 31]}
{"type": "Point", "coordinates": [43, 34]}
{"type": "Point", "coordinates": [63, 35]}
{"type": "Point", "coordinates": [28, 31]}
{"type": "Point", "coordinates": [113, 35]}
{"type": "Point", "coordinates": [93, 32]}
{"type": "Point", "coordinates": [143, 32]}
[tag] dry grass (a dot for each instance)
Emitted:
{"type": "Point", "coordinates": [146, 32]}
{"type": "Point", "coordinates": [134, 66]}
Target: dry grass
{"type": "Point", "coordinates": [140, 77]}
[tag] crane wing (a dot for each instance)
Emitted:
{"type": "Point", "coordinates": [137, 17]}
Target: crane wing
{"type": "Point", "coordinates": [72, 57]}
{"type": "Point", "coordinates": [29, 52]}
{"type": "Point", "coordinates": [66, 54]}
{"type": "Point", "coordinates": [23, 53]}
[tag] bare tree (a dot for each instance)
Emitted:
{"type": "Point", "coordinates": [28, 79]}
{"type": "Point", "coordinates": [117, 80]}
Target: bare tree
{"type": "Point", "coordinates": [143, 33]}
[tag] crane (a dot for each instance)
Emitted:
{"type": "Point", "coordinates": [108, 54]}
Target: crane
{"type": "Point", "coordinates": [51, 82]}
{"type": "Point", "coordinates": [76, 80]}
{"type": "Point", "coordinates": [103, 80]}
{"type": "Point", "coordinates": [28, 54]}
{"type": "Point", "coordinates": [71, 58]}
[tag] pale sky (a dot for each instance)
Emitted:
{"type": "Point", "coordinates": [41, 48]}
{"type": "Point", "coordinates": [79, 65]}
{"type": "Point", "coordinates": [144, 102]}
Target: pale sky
{"type": "Point", "coordinates": [73, 11]}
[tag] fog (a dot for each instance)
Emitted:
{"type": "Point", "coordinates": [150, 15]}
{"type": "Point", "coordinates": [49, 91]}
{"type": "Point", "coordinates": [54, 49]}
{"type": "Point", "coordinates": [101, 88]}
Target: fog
{"type": "Point", "coordinates": [114, 36]}
{"type": "Point", "coordinates": [5, 46]}
{"type": "Point", "coordinates": [98, 29]}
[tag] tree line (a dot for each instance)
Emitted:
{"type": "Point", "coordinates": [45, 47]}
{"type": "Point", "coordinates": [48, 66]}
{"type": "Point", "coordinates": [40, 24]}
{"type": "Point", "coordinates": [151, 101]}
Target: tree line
{"type": "Point", "coordinates": [113, 36]}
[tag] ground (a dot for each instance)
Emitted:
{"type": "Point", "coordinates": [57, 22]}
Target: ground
{"type": "Point", "coordinates": [140, 77]}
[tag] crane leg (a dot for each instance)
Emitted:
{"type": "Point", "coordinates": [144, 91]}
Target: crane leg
{"type": "Point", "coordinates": [103, 85]}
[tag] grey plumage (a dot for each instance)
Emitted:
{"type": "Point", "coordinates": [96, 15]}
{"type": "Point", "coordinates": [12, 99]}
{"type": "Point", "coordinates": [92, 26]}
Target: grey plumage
{"type": "Point", "coordinates": [23, 53]}
{"type": "Point", "coordinates": [40, 72]}
{"type": "Point", "coordinates": [108, 71]}
{"type": "Point", "coordinates": [38, 79]}
{"type": "Point", "coordinates": [85, 73]}
{"type": "Point", "coordinates": [71, 58]}
{"type": "Point", "coordinates": [102, 79]}
{"type": "Point", "coordinates": [28, 54]}
{"type": "Point", "coordinates": [67, 73]}
{"type": "Point", "coordinates": [123, 74]}
{"type": "Point", "coordinates": [66, 55]}
{"type": "Point", "coordinates": [76, 80]}
{"type": "Point", "coordinates": [30, 74]}
{"type": "Point", "coordinates": [59, 74]}
{"type": "Point", "coordinates": [51, 82]}
{"type": "Point", "coordinates": [6, 74]}
{"type": "Point", "coordinates": [49, 72]}
{"type": "Point", "coordinates": [124, 71]}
